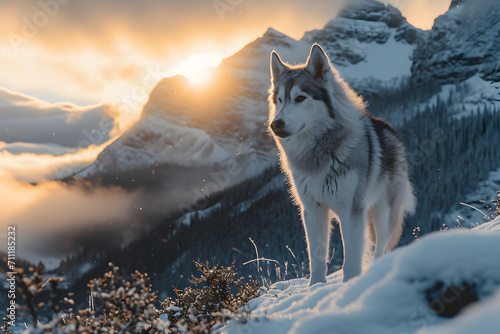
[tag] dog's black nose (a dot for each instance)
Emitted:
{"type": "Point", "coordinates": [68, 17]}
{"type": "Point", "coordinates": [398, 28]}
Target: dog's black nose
{"type": "Point", "coordinates": [278, 126]}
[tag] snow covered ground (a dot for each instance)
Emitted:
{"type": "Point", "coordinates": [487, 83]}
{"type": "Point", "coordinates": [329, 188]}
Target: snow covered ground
{"type": "Point", "coordinates": [392, 295]}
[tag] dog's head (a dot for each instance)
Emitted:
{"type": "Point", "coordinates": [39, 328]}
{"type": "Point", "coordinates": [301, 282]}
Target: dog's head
{"type": "Point", "coordinates": [300, 96]}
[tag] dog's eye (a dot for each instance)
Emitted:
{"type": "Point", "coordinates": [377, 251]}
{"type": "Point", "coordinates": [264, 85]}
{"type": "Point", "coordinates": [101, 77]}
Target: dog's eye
{"type": "Point", "coordinates": [279, 100]}
{"type": "Point", "coordinates": [300, 98]}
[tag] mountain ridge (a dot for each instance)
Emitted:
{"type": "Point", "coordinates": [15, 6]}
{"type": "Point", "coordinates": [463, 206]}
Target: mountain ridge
{"type": "Point", "coordinates": [242, 80]}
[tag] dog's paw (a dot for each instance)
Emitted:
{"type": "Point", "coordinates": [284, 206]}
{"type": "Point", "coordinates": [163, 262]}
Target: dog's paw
{"type": "Point", "coordinates": [317, 280]}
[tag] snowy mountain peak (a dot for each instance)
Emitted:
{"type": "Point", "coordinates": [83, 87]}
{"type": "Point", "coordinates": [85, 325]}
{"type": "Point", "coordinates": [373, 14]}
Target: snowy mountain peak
{"type": "Point", "coordinates": [364, 38]}
{"type": "Point", "coordinates": [369, 10]}
{"type": "Point", "coordinates": [170, 86]}
{"type": "Point", "coordinates": [274, 37]}
{"type": "Point", "coordinates": [273, 33]}
{"type": "Point", "coordinates": [462, 43]}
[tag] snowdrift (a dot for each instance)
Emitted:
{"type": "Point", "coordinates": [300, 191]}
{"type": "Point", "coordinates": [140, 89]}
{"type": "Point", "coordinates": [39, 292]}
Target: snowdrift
{"type": "Point", "coordinates": [392, 296]}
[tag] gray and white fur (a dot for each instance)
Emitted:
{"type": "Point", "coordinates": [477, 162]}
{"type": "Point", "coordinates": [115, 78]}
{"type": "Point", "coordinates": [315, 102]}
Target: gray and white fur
{"type": "Point", "coordinates": [340, 160]}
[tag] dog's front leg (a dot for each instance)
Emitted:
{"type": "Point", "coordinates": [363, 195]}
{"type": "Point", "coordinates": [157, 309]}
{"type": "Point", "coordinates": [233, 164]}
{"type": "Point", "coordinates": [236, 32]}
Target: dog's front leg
{"type": "Point", "coordinates": [317, 226]}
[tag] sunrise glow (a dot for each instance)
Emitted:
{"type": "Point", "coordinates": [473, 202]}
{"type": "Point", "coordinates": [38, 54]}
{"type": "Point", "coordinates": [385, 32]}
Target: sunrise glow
{"type": "Point", "coordinates": [198, 68]}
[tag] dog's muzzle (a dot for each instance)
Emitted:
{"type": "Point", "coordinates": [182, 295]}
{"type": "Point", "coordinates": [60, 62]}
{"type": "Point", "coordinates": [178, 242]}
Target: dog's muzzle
{"type": "Point", "coordinates": [278, 128]}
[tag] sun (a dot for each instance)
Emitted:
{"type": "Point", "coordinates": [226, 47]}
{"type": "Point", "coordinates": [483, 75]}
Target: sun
{"type": "Point", "coordinates": [198, 68]}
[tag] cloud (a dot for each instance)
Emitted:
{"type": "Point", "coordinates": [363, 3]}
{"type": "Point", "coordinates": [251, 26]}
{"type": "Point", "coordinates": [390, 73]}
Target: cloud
{"type": "Point", "coordinates": [40, 140]}
{"type": "Point", "coordinates": [161, 28]}
{"type": "Point", "coordinates": [28, 120]}
{"type": "Point", "coordinates": [54, 219]}
{"type": "Point", "coordinates": [50, 215]}
{"type": "Point", "coordinates": [44, 162]}
{"type": "Point", "coordinates": [154, 24]}
{"type": "Point", "coordinates": [18, 148]}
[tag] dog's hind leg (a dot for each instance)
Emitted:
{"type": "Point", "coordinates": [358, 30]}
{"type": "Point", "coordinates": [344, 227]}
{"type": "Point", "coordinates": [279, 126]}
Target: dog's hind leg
{"type": "Point", "coordinates": [405, 205]}
{"type": "Point", "coordinates": [353, 227]}
{"type": "Point", "coordinates": [317, 225]}
{"type": "Point", "coordinates": [383, 229]}
{"type": "Point", "coordinates": [396, 224]}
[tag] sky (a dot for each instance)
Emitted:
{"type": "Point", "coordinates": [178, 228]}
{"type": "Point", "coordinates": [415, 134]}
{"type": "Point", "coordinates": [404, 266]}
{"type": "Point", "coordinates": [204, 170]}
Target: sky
{"type": "Point", "coordinates": [92, 51]}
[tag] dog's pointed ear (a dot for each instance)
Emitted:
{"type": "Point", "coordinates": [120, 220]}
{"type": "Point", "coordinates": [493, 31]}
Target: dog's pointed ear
{"type": "Point", "coordinates": [277, 67]}
{"type": "Point", "coordinates": [317, 63]}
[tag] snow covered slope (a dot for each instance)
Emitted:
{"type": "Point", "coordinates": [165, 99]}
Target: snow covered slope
{"type": "Point", "coordinates": [392, 296]}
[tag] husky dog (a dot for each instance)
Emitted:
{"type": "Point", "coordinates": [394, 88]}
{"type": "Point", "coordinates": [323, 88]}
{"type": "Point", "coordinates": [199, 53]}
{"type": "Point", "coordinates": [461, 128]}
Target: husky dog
{"type": "Point", "coordinates": [338, 158]}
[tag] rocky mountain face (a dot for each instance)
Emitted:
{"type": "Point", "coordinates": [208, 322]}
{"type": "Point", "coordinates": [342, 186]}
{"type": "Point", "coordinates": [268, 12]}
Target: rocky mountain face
{"type": "Point", "coordinates": [463, 42]}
